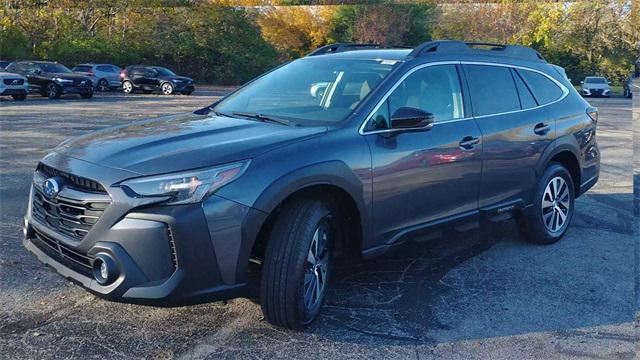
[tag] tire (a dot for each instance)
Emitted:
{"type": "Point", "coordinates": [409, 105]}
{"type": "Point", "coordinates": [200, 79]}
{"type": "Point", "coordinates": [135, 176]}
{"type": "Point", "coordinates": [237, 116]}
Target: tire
{"type": "Point", "coordinates": [103, 85]}
{"type": "Point", "coordinates": [53, 91]}
{"type": "Point", "coordinates": [544, 223]}
{"type": "Point", "coordinates": [166, 88]}
{"type": "Point", "coordinates": [127, 87]}
{"type": "Point", "coordinates": [88, 95]}
{"type": "Point", "coordinates": [19, 97]}
{"type": "Point", "coordinates": [288, 276]}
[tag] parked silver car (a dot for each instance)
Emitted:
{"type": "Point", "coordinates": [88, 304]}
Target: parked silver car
{"type": "Point", "coordinates": [595, 86]}
{"type": "Point", "coordinates": [104, 76]}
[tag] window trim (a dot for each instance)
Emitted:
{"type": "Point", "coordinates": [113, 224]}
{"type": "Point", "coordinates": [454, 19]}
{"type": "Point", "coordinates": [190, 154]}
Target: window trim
{"type": "Point", "coordinates": [361, 131]}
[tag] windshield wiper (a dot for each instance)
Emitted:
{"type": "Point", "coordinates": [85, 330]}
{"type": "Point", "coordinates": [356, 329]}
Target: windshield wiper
{"type": "Point", "coordinates": [261, 117]}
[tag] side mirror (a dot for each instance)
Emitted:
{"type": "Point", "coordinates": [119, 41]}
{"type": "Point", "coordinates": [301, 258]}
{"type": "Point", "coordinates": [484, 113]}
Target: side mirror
{"type": "Point", "coordinates": [608, 82]}
{"type": "Point", "coordinates": [411, 118]}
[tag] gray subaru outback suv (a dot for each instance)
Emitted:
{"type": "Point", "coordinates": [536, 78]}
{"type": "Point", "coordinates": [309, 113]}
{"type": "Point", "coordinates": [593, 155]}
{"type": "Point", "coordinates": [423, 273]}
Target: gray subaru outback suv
{"type": "Point", "coordinates": [349, 151]}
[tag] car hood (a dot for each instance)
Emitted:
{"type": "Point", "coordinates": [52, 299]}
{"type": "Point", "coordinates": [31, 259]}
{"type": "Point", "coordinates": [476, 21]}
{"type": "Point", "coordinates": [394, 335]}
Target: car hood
{"type": "Point", "coordinates": [182, 142]}
{"type": "Point", "coordinates": [183, 78]}
{"type": "Point", "coordinates": [4, 75]}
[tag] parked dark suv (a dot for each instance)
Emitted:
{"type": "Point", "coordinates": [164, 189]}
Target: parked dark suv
{"type": "Point", "coordinates": [278, 178]}
{"type": "Point", "coordinates": [154, 78]}
{"type": "Point", "coordinates": [52, 79]}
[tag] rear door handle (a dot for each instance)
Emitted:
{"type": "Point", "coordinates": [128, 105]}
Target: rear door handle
{"type": "Point", "coordinates": [541, 129]}
{"type": "Point", "coordinates": [468, 142]}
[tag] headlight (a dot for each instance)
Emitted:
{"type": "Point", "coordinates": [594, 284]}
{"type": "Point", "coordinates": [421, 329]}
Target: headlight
{"type": "Point", "coordinates": [189, 186]}
{"type": "Point", "coordinates": [61, 80]}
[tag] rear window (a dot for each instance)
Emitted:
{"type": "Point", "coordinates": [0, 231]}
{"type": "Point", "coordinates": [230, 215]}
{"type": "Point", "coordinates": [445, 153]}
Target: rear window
{"type": "Point", "coordinates": [527, 101]}
{"type": "Point", "coordinates": [105, 68]}
{"type": "Point", "coordinates": [492, 89]}
{"type": "Point", "coordinates": [545, 90]}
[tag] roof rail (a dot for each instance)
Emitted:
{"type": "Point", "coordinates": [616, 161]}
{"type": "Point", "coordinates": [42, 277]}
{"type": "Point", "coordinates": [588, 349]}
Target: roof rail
{"type": "Point", "coordinates": [451, 46]}
{"type": "Point", "coordinates": [342, 47]}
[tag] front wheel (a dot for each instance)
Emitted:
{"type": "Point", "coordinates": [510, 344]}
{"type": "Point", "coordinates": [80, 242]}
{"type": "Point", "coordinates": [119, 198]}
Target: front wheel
{"type": "Point", "coordinates": [53, 91]}
{"type": "Point", "coordinates": [297, 263]}
{"type": "Point", "coordinates": [167, 88]}
{"type": "Point", "coordinates": [127, 87]}
{"type": "Point", "coordinates": [553, 207]}
{"type": "Point", "coordinates": [103, 85]}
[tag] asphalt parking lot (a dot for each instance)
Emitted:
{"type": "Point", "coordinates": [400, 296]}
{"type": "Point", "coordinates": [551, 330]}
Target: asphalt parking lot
{"type": "Point", "coordinates": [483, 294]}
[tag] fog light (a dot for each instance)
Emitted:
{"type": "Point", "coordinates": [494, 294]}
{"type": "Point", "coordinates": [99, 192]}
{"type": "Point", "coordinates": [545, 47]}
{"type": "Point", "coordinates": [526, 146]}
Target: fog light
{"type": "Point", "coordinates": [105, 270]}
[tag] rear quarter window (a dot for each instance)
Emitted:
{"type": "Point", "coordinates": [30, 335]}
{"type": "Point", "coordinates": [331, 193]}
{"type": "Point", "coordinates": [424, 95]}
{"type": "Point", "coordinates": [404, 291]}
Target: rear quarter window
{"type": "Point", "coordinates": [82, 68]}
{"type": "Point", "coordinates": [492, 89]}
{"type": "Point", "coordinates": [544, 89]}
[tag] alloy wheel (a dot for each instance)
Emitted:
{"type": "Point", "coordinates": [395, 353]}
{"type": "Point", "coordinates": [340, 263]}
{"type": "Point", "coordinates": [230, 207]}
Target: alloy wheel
{"type": "Point", "coordinates": [52, 91]}
{"type": "Point", "coordinates": [127, 87]}
{"type": "Point", "coordinates": [556, 204]}
{"type": "Point", "coordinates": [317, 265]}
{"type": "Point", "coordinates": [103, 85]}
{"type": "Point", "coordinates": [167, 89]}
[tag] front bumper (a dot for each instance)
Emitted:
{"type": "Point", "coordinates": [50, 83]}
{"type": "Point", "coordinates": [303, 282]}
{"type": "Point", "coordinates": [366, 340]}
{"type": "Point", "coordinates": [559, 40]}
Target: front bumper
{"type": "Point", "coordinates": [163, 255]}
{"type": "Point", "coordinates": [13, 91]}
{"type": "Point", "coordinates": [179, 87]}
{"type": "Point", "coordinates": [596, 92]}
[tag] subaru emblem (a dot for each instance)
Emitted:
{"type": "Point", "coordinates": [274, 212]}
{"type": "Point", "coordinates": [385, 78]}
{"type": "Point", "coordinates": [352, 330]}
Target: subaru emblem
{"type": "Point", "coordinates": [51, 187]}
{"type": "Point", "coordinates": [14, 82]}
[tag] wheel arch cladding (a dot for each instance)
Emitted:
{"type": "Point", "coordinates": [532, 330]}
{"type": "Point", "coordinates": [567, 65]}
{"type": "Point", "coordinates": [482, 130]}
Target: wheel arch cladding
{"type": "Point", "coordinates": [569, 160]}
{"type": "Point", "coordinates": [331, 181]}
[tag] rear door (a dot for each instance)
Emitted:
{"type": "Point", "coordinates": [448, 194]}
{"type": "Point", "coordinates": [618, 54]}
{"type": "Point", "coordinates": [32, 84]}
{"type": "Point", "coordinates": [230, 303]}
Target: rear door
{"type": "Point", "coordinates": [420, 177]}
{"type": "Point", "coordinates": [516, 131]}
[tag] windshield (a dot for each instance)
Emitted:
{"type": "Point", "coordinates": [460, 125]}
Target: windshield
{"type": "Point", "coordinates": [53, 68]}
{"type": "Point", "coordinates": [313, 89]}
{"type": "Point", "coordinates": [596, 80]}
{"type": "Point", "coordinates": [164, 71]}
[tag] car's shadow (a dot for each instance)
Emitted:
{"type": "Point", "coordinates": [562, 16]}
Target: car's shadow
{"type": "Point", "coordinates": [489, 282]}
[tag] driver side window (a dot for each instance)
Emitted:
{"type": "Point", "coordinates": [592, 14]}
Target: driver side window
{"type": "Point", "coordinates": [434, 89]}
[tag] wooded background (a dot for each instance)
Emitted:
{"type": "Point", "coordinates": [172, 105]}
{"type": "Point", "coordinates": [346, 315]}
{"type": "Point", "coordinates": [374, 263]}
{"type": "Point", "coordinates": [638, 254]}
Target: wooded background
{"type": "Point", "coordinates": [230, 42]}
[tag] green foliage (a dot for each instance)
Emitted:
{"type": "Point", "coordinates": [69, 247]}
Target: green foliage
{"type": "Point", "coordinates": [13, 43]}
{"type": "Point", "coordinates": [232, 44]}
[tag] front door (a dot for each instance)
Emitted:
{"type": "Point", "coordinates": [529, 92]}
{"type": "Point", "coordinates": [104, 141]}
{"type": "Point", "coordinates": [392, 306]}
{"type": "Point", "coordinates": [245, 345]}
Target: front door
{"type": "Point", "coordinates": [420, 177]}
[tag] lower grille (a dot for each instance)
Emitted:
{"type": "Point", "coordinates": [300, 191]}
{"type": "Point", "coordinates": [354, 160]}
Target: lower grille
{"type": "Point", "coordinates": [63, 254]}
{"type": "Point", "coordinates": [73, 218]}
{"type": "Point", "coordinates": [13, 81]}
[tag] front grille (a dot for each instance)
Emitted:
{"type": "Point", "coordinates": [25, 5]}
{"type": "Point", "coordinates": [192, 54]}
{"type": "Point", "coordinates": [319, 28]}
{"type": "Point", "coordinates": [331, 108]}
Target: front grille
{"type": "Point", "coordinates": [13, 81]}
{"type": "Point", "coordinates": [70, 217]}
{"type": "Point", "coordinates": [77, 182]}
{"type": "Point", "coordinates": [62, 253]}
{"type": "Point", "coordinates": [597, 91]}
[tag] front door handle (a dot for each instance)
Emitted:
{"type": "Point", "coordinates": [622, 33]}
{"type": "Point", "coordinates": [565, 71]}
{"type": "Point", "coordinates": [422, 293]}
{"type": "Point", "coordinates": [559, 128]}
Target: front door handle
{"type": "Point", "coordinates": [468, 142]}
{"type": "Point", "coordinates": [541, 129]}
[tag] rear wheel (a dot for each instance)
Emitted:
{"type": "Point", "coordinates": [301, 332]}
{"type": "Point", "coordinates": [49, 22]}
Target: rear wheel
{"type": "Point", "coordinates": [19, 97]}
{"type": "Point", "coordinates": [53, 91]}
{"type": "Point", "coordinates": [127, 87]}
{"type": "Point", "coordinates": [552, 208]}
{"type": "Point", "coordinates": [297, 264]}
{"type": "Point", "coordinates": [167, 88]}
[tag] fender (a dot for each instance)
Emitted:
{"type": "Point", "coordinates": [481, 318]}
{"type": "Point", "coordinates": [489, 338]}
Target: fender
{"type": "Point", "coordinates": [334, 173]}
{"type": "Point", "coordinates": [563, 143]}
